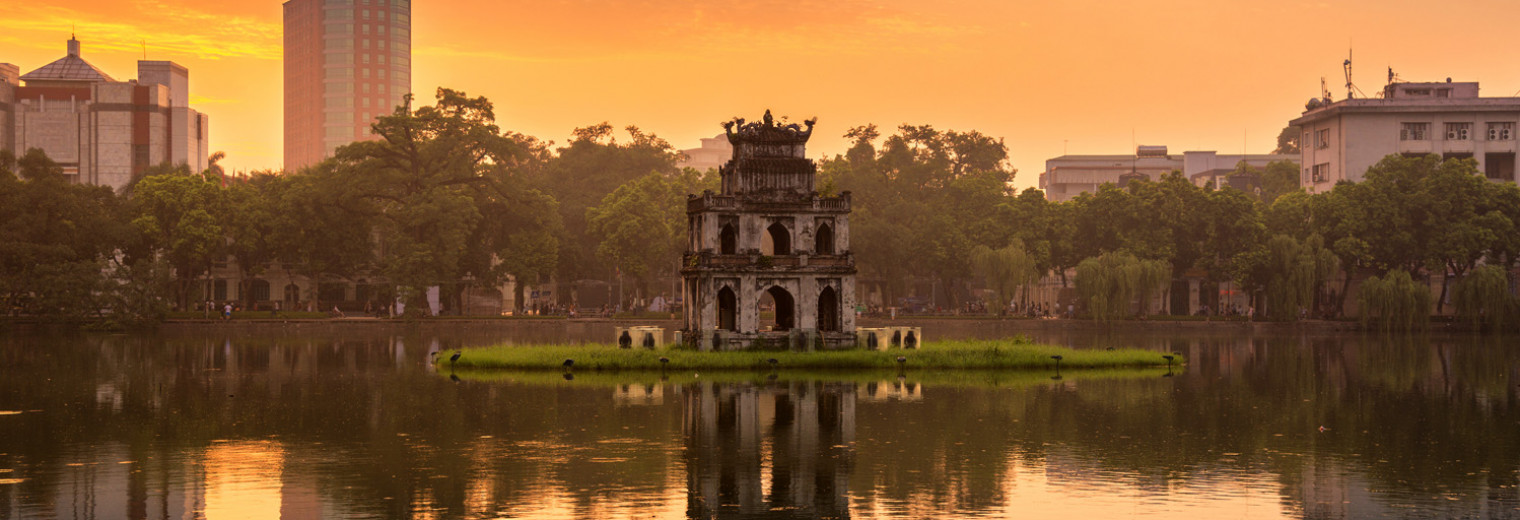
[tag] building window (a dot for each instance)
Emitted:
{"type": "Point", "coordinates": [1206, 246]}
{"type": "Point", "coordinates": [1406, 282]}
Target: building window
{"type": "Point", "coordinates": [1501, 131]}
{"type": "Point", "coordinates": [258, 290]}
{"type": "Point", "coordinates": [1322, 139]}
{"type": "Point", "coordinates": [1458, 131]}
{"type": "Point", "coordinates": [1499, 166]}
{"type": "Point", "coordinates": [219, 290]}
{"type": "Point", "coordinates": [1320, 171]}
{"type": "Point", "coordinates": [1414, 132]}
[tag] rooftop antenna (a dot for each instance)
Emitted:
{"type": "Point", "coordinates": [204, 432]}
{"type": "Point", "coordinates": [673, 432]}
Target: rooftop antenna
{"type": "Point", "coordinates": [1349, 93]}
{"type": "Point", "coordinates": [145, 49]}
{"type": "Point", "coordinates": [1324, 90]}
{"type": "Point", "coordinates": [1351, 90]}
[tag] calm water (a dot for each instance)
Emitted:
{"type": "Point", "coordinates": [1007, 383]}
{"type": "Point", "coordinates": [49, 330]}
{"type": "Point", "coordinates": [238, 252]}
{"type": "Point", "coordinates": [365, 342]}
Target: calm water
{"type": "Point", "coordinates": [233, 424]}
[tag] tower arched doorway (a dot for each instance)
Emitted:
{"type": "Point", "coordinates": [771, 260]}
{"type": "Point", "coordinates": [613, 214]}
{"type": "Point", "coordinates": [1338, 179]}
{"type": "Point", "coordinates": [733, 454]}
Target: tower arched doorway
{"type": "Point", "coordinates": [828, 310]}
{"type": "Point", "coordinates": [785, 307]}
{"type": "Point", "coordinates": [779, 240]}
{"type": "Point", "coordinates": [728, 309]}
{"type": "Point", "coordinates": [728, 240]}
{"type": "Point", "coordinates": [823, 240]}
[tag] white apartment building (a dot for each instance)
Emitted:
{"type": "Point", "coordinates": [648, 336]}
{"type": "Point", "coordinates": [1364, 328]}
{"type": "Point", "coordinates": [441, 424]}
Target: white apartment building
{"type": "Point", "coordinates": [1067, 176]}
{"type": "Point", "coordinates": [1341, 140]}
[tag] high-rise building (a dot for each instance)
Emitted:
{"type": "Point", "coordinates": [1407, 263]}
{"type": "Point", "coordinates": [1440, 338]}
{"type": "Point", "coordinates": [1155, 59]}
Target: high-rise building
{"type": "Point", "coordinates": [346, 62]}
{"type": "Point", "coordinates": [99, 130]}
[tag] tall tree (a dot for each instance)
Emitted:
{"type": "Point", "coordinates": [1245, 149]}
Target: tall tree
{"type": "Point", "coordinates": [181, 218]}
{"type": "Point", "coordinates": [420, 182]}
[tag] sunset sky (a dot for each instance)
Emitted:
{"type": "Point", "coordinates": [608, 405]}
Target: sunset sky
{"type": "Point", "coordinates": [1082, 76]}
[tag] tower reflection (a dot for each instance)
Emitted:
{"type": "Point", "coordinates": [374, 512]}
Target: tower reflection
{"type": "Point", "coordinates": [782, 449]}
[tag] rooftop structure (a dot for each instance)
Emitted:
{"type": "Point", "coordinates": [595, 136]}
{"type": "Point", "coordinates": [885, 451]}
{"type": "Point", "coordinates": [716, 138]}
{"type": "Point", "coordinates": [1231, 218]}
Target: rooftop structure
{"type": "Point", "coordinates": [1340, 140]}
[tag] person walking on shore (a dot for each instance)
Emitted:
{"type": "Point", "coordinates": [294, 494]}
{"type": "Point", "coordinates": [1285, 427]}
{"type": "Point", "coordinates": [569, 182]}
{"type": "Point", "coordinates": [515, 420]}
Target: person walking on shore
{"type": "Point", "coordinates": [226, 312]}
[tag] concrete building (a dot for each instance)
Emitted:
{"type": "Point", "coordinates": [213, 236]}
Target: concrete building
{"type": "Point", "coordinates": [712, 154]}
{"type": "Point", "coordinates": [1341, 140]}
{"type": "Point", "coordinates": [1067, 176]}
{"type": "Point", "coordinates": [100, 130]}
{"type": "Point", "coordinates": [768, 236]}
{"type": "Point", "coordinates": [346, 62]}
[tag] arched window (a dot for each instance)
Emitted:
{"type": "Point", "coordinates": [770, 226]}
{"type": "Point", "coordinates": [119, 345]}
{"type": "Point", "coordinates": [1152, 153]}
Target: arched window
{"type": "Point", "coordinates": [258, 290]}
{"type": "Point", "coordinates": [828, 310]}
{"type": "Point", "coordinates": [728, 240]}
{"type": "Point", "coordinates": [292, 296]}
{"type": "Point", "coordinates": [786, 308]}
{"type": "Point", "coordinates": [823, 240]}
{"type": "Point", "coordinates": [781, 239]}
{"type": "Point", "coordinates": [728, 309]}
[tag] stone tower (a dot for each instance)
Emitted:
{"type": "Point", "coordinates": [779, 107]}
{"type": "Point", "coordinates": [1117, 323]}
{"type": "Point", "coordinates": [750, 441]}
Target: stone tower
{"type": "Point", "coordinates": [768, 234]}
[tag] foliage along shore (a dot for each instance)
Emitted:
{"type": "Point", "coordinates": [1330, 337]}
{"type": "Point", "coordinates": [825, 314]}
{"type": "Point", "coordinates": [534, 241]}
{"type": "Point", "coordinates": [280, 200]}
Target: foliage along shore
{"type": "Point", "coordinates": [986, 354]}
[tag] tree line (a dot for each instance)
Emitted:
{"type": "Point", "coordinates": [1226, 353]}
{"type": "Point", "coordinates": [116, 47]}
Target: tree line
{"type": "Point", "coordinates": [442, 198]}
{"type": "Point", "coordinates": [446, 198]}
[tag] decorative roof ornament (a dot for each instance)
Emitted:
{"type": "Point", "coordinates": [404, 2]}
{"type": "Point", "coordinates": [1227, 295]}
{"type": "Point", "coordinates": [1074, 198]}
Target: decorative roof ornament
{"type": "Point", "coordinates": [767, 131]}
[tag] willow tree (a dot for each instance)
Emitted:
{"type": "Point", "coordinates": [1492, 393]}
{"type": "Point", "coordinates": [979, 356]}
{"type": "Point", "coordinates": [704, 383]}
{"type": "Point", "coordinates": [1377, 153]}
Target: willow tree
{"type": "Point", "coordinates": [1482, 297]}
{"type": "Point", "coordinates": [1395, 301]}
{"type": "Point", "coordinates": [1109, 283]}
{"type": "Point", "coordinates": [1006, 270]}
{"type": "Point", "coordinates": [1294, 273]}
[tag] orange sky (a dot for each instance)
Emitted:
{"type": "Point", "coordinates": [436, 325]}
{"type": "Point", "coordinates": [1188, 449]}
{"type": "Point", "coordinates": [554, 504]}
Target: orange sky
{"type": "Point", "coordinates": [1084, 74]}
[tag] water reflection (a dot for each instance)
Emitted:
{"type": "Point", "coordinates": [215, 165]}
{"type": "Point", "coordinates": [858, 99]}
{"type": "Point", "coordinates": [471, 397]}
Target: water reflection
{"type": "Point", "coordinates": [238, 425]}
{"type": "Point", "coordinates": [782, 449]}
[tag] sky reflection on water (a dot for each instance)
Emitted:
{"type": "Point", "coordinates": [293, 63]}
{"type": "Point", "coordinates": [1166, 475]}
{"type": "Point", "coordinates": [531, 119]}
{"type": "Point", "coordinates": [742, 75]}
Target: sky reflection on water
{"type": "Point", "coordinates": [218, 424]}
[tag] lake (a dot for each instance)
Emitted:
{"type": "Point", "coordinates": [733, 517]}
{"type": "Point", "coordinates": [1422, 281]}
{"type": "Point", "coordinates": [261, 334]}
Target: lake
{"type": "Point", "coordinates": [352, 422]}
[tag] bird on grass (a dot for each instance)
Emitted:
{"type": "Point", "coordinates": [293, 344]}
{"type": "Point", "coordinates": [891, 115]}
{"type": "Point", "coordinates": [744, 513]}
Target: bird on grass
{"type": "Point", "coordinates": [568, 363]}
{"type": "Point", "coordinates": [455, 358]}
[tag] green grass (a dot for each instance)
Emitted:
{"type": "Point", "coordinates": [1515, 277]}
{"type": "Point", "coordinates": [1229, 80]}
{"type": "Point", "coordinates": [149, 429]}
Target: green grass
{"type": "Point", "coordinates": [938, 378]}
{"type": "Point", "coordinates": [990, 355]}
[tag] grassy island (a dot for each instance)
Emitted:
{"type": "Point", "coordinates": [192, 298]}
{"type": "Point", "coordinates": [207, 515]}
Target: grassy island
{"type": "Point", "coordinates": [975, 355]}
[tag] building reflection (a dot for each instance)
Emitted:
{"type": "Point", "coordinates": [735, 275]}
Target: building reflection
{"type": "Point", "coordinates": [781, 449]}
